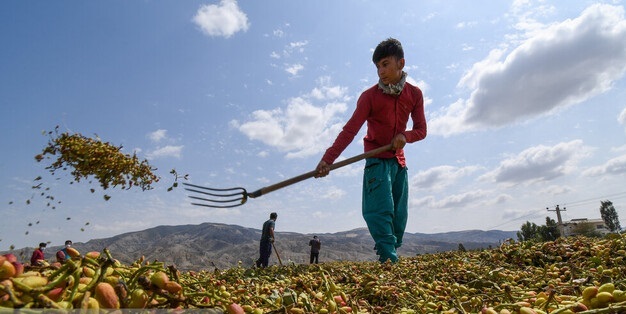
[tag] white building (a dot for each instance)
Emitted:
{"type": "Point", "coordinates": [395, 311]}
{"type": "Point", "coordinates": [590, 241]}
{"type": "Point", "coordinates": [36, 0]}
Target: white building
{"type": "Point", "coordinates": [570, 228]}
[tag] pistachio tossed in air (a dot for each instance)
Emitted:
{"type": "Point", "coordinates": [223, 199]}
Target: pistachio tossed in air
{"type": "Point", "coordinates": [86, 157]}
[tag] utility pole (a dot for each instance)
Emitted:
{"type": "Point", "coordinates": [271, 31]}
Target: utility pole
{"type": "Point", "coordinates": [558, 211]}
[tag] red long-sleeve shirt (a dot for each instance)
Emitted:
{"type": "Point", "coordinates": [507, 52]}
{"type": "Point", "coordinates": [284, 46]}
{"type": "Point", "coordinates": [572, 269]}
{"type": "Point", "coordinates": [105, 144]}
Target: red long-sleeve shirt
{"type": "Point", "coordinates": [386, 116]}
{"type": "Point", "coordinates": [37, 255]}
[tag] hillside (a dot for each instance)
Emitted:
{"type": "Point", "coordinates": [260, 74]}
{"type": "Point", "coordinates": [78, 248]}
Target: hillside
{"type": "Point", "coordinates": [213, 245]}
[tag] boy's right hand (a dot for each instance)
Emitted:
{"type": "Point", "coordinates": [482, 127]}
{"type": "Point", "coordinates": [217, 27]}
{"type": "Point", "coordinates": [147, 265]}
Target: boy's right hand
{"type": "Point", "coordinates": [322, 169]}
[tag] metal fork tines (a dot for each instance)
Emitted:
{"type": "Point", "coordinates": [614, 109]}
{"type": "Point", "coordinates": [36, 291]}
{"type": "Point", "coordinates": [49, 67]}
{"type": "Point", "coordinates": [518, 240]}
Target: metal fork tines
{"type": "Point", "coordinates": [220, 198]}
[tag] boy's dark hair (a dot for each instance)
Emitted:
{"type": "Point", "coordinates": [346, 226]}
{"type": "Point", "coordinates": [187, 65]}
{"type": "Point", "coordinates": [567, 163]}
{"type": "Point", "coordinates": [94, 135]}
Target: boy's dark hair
{"type": "Point", "coordinates": [273, 215]}
{"type": "Point", "coordinates": [42, 244]}
{"type": "Point", "coordinates": [386, 48]}
{"type": "Point", "coordinates": [68, 242]}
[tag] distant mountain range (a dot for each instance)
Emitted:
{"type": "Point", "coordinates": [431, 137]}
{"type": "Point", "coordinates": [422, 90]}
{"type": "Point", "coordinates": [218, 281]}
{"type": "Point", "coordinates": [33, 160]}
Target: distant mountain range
{"type": "Point", "coordinates": [213, 245]}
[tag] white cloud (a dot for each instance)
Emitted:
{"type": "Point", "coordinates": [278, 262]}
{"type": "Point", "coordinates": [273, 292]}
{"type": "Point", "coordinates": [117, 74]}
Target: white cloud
{"type": "Point", "coordinates": [539, 163]}
{"type": "Point", "coordinates": [526, 13]}
{"type": "Point", "coordinates": [302, 128]}
{"type": "Point", "coordinates": [224, 19]}
{"type": "Point", "coordinates": [321, 215]}
{"type": "Point", "coordinates": [500, 199]}
{"type": "Point", "coordinates": [298, 45]}
{"type": "Point", "coordinates": [323, 93]}
{"type": "Point", "coordinates": [437, 178]}
{"type": "Point", "coordinates": [462, 25]}
{"type": "Point", "coordinates": [289, 49]}
{"type": "Point", "coordinates": [166, 151]}
{"type": "Point", "coordinates": [279, 33]}
{"type": "Point", "coordinates": [327, 92]}
{"type": "Point", "coordinates": [619, 148]}
{"type": "Point", "coordinates": [518, 214]}
{"type": "Point", "coordinates": [429, 16]}
{"type": "Point", "coordinates": [294, 69]}
{"type": "Point", "coordinates": [461, 200]}
{"type": "Point", "coordinates": [333, 192]}
{"type": "Point", "coordinates": [561, 65]}
{"type": "Point", "coordinates": [157, 135]}
{"type": "Point", "coordinates": [622, 117]}
{"type": "Point", "coordinates": [467, 47]}
{"type": "Point", "coordinates": [615, 166]}
{"type": "Point", "coordinates": [425, 87]}
{"type": "Point", "coordinates": [557, 190]}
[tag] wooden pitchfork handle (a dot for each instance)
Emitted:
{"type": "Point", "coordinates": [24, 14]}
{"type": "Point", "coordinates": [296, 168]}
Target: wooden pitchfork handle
{"type": "Point", "coordinates": [275, 251]}
{"type": "Point", "coordinates": [310, 174]}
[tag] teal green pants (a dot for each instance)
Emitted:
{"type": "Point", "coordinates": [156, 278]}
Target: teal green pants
{"type": "Point", "coordinates": [385, 204]}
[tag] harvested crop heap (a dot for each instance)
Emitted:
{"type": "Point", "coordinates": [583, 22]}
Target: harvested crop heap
{"type": "Point", "coordinates": [569, 275]}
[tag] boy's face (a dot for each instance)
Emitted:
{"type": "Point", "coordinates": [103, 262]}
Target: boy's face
{"type": "Point", "coordinates": [390, 70]}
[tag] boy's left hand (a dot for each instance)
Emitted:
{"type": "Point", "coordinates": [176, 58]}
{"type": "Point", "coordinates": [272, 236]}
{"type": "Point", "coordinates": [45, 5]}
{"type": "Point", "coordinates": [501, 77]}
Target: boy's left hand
{"type": "Point", "coordinates": [398, 141]}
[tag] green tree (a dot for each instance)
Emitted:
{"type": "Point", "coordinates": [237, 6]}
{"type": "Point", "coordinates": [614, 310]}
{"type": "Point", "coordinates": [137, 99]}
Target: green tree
{"type": "Point", "coordinates": [531, 231]}
{"type": "Point", "coordinates": [550, 231]}
{"type": "Point", "coordinates": [528, 231]}
{"type": "Point", "coordinates": [609, 215]}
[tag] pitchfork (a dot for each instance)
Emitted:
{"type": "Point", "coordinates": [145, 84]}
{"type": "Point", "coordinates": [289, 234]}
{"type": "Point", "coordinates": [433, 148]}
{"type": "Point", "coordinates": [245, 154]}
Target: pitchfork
{"type": "Point", "coordinates": [233, 197]}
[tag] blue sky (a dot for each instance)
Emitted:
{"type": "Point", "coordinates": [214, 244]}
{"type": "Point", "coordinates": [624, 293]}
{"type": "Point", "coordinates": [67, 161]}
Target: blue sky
{"type": "Point", "coordinates": [525, 103]}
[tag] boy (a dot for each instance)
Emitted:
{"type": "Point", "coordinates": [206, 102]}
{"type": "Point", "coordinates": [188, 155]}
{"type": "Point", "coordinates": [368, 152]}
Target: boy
{"type": "Point", "coordinates": [386, 107]}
